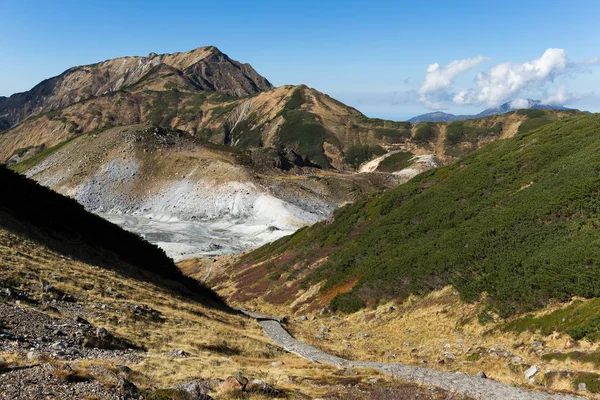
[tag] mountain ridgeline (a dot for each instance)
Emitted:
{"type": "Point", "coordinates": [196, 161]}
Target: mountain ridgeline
{"type": "Point", "coordinates": [212, 97]}
{"type": "Point", "coordinates": [529, 104]}
{"type": "Point", "coordinates": [205, 68]}
{"type": "Point", "coordinates": [513, 224]}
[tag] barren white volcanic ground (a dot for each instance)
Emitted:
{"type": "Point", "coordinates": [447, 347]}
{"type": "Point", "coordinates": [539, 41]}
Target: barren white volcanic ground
{"type": "Point", "coordinates": [258, 221]}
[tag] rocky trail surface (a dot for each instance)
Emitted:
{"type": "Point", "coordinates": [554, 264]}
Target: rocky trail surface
{"type": "Point", "coordinates": [457, 382]}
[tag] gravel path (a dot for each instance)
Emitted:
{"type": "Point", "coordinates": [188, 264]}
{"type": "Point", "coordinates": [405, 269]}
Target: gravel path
{"type": "Point", "coordinates": [472, 386]}
{"type": "Point", "coordinates": [206, 275]}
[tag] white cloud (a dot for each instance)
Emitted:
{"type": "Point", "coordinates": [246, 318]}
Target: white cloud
{"type": "Point", "coordinates": [465, 97]}
{"type": "Point", "coordinates": [506, 80]}
{"type": "Point", "coordinates": [519, 104]}
{"type": "Point", "coordinates": [560, 97]}
{"type": "Point", "coordinates": [437, 79]}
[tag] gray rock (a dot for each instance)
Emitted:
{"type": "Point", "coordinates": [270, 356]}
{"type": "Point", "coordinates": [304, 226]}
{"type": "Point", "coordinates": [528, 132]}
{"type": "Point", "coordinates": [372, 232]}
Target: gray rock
{"type": "Point", "coordinates": [195, 390]}
{"type": "Point", "coordinates": [180, 353]}
{"type": "Point", "coordinates": [324, 329]}
{"type": "Point", "coordinates": [46, 287]}
{"type": "Point", "coordinates": [582, 387]}
{"type": "Point", "coordinates": [276, 364]}
{"type": "Point", "coordinates": [33, 355]}
{"type": "Point", "coordinates": [101, 332]}
{"type": "Point", "coordinates": [531, 371]}
{"type": "Point", "coordinates": [481, 375]}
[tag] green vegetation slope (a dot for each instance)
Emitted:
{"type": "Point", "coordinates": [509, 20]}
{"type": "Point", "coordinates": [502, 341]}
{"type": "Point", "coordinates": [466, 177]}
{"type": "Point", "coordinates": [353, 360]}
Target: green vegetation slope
{"type": "Point", "coordinates": [514, 223]}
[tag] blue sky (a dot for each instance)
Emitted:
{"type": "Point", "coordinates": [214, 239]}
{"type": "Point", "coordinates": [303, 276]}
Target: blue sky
{"type": "Point", "coordinates": [372, 55]}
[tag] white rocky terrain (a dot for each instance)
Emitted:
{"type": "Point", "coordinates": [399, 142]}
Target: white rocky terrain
{"type": "Point", "coordinates": [417, 165]}
{"type": "Point", "coordinates": [188, 199]}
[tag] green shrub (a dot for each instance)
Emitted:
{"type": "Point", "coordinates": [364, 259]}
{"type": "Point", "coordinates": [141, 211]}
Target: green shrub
{"type": "Point", "coordinates": [532, 113]}
{"type": "Point", "coordinates": [531, 124]}
{"type": "Point", "coordinates": [591, 380]}
{"type": "Point", "coordinates": [347, 303]}
{"type": "Point", "coordinates": [296, 100]}
{"type": "Point", "coordinates": [39, 157]}
{"type": "Point", "coordinates": [356, 155]}
{"type": "Point", "coordinates": [424, 132]}
{"type": "Point", "coordinates": [455, 133]}
{"type": "Point", "coordinates": [396, 162]}
{"type": "Point", "coordinates": [593, 358]}
{"type": "Point", "coordinates": [302, 133]}
{"type": "Point", "coordinates": [392, 133]}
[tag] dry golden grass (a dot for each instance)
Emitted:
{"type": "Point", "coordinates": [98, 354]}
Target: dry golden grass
{"type": "Point", "coordinates": [422, 330]}
{"type": "Point", "coordinates": [218, 343]}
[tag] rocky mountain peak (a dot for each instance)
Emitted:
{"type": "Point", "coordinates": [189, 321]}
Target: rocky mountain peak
{"type": "Point", "coordinates": [204, 68]}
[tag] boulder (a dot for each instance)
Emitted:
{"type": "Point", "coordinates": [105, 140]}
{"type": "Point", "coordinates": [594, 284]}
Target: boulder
{"type": "Point", "coordinates": [234, 384]}
{"type": "Point", "coordinates": [260, 386]}
{"type": "Point", "coordinates": [194, 390]}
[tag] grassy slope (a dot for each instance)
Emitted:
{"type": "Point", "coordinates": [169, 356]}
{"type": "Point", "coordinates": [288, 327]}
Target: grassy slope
{"type": "Point", "coordinates": [515, 220]}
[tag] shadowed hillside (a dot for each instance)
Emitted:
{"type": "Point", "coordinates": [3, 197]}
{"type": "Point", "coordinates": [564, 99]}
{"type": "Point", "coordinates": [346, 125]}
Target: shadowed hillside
{"type": "Point", "coordinates": [64, 226]}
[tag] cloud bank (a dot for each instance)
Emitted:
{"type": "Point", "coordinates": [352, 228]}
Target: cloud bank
{"type": "Point", "coordinates": [501, 82]}
{"type": "Point", "coordinates": [438, 79]}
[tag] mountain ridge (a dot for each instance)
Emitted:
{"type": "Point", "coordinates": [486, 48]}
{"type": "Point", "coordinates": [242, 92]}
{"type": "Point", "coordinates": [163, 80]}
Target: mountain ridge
{"type": "Point", "coordinates": [205, 67]}
{"type": "Point", "coordinates": [439, 116]}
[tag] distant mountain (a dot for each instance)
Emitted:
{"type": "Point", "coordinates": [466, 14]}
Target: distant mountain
{"type": "Point", "coordinates": [436, 116]}
{"type": "Point", "coordinates": [439, 116]}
